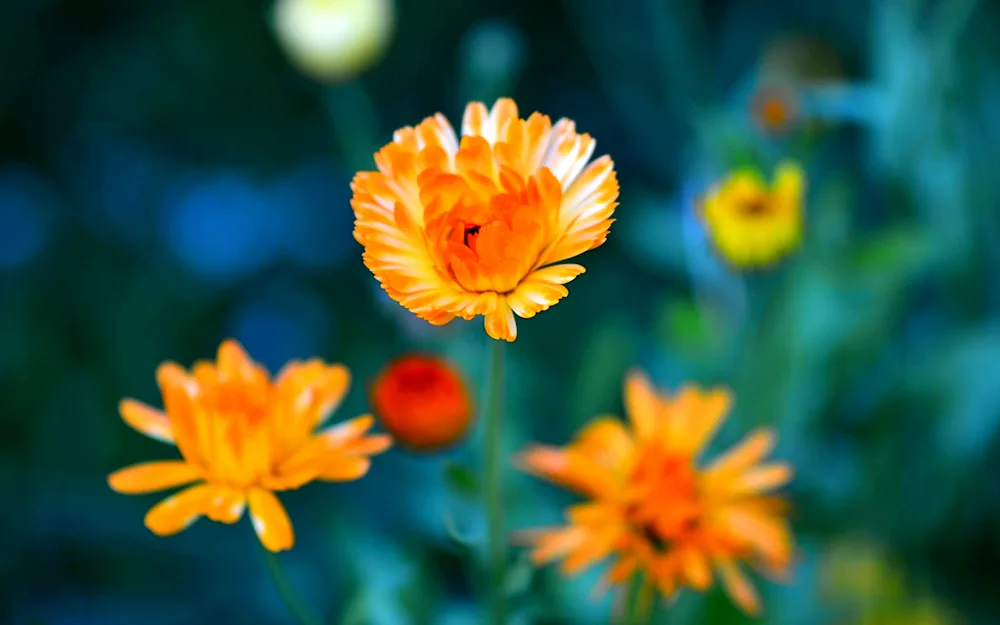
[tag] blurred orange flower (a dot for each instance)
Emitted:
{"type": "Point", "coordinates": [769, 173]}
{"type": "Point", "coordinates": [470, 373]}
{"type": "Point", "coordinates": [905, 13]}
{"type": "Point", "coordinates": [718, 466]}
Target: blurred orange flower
{"type": "Point", "coordinates": [775, 107]}
{"type": "Point", "coordinates": [654, 509]}
{"type": "Point", "coordinates": [242, 437]}
{"type": "Point", "coordinates": [423, 402]}
{"type": "Point", "coordinates": [476, 227]}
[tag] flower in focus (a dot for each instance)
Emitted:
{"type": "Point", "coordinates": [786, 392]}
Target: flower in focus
{"type": "Point", "coordinates": [243, 436]}
{"type": "Point", "coordinates": [751, 225]}
{"type": "Point", "coordinates": [477, 226]}
{"type": "Point", "coordinates": [654, 509]}
{"type": "Point", "coordinates": [334, 40]}
{"type": "Point", "coordinates": [423, 402]}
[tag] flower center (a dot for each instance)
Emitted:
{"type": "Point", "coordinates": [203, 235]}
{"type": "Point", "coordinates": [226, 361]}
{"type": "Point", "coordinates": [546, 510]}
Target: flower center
{"type": "Point", "coordinates": [471, 234]}
{"type": "Point", "coordinates": [754, 207]}
{"type": "Point", "coordinates": [668, 506]}
{"type": "Point", "coordinates": [491, 244]}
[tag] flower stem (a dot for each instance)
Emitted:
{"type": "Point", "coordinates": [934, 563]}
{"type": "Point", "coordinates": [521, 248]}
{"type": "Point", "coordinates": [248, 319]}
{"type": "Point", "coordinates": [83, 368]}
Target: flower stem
{"type": "Point", "coordinates": [639, 601]}
{"type": "Point", "coordinates": [287, 593]}
{"type": "Point", "coordinates": [494, 489]}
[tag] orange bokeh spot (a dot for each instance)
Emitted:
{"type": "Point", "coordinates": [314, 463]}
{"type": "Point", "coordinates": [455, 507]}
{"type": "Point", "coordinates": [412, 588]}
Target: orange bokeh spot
{"type": "Point", "coordinates": [422, 402]}
{"type": "Point", "coordinates": [775, 108]}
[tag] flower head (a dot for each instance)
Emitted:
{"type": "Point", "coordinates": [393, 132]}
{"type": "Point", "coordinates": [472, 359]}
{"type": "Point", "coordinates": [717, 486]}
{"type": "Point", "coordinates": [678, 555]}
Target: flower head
{"type": "Point", "coordinates": [476, 226]}
{"type": "Point", "coordinates": [752, 225]}
{"type": "Point", "coordinates": [423, 402]}
{"type": "Point", "coordinates": [334, 40]}
{"type": "Point", "coordinates": [243, 436]}
{"type": "Point", "coordinates": [654, 508]}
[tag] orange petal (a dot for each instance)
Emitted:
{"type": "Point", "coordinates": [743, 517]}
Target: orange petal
{"type": "Point", "coordinates": [568, 153]}
{"type": "Point", "coordinates": [598, 546]}
{"type": "Point", "coordinates": [696, 568]}
{"type": "Point", "coordinates": [567, 468]}
{"type": "Point", "coordinates": [745, 454]}
{"type": "Point", "coordinates": [642, 405]}
{"type": "Point", "coordinates": [270, 520]}
{"type": "Point", "coordinates": [500, 324]}
{"type": "Point", "coordinates": [739, 588]}
{"type": "Point", "coordinates": [344, 469]}
{"type": "Point", "coordinates": [228, 505]}
{"type": "Point", "coordinates": [585, 214]}
{"type": "Point", "coordinates": [233, 361]}
{"type": "Point", "coordinates": [150, 477]}
{"type": "Point", "coordinates": [695, 416]}
{"type": "Point", "coordinates": [179, 392]}
{"type": "Point", "coordinates": [331, 440]}
{"type": "Point", "coordinates": [542, 289]}
{"type": "Point", "coordinates": [607, 441]}
{"type": "Point", "coordinates": [369, 445]}
{"type": "Point", "coordinates": [553, 544]}
{"type": "Point", "coordinates": [177, 512]}
{"type": "Point", "coordinates": [752, 525]}
{"type": "Point", "coordinates": [762, 479]}
{"type": "Point", "coordinates": [146, 420]}
{"type": "Point", "coordinates": [474, 119]}
{"type": "Point", "coordinates": [312, 392]}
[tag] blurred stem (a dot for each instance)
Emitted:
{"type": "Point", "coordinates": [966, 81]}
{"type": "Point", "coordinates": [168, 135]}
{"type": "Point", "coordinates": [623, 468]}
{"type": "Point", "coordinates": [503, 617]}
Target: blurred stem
{"type": "Point", "coordinates": [639, 601]}
{"type": "Point", "coordinates": [284, 587]}
{"type": "Point", "coordinates": [353, 122]}
{"type": "Point", "coordinates": [494, 488]}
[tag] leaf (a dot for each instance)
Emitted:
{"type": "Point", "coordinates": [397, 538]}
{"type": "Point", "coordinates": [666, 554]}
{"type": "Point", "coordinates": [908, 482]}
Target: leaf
{"type": "Point", "coordinates": [519, 576]}
{"type": "Point", "coordinates": [461, 480]}
{"type": "Point", "coordinates": [684, 327]}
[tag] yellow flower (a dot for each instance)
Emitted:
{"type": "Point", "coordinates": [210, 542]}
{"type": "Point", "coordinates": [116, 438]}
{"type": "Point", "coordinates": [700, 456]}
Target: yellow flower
{"type": "Point", "coordinates": [752, 225]}
{"type": "Point", "coordinates": [654, 509]}
{"type": "Point", "coordinates": [460, 228]}
{"type": "Point", "coordinates": [334, 40]}
{"type": "Point", "coordinates": [242, 437]}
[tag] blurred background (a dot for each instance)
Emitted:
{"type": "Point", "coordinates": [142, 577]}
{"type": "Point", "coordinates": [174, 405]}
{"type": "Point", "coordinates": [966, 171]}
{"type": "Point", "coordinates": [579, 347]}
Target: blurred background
{"type": "Point", "coordinates": [174, 173]}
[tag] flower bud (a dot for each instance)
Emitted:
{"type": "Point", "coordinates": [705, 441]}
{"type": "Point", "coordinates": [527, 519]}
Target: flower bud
{"type": "Point", "coordinates": [334, 40]}
{"type": "Point", "coordinates": [423, 402]}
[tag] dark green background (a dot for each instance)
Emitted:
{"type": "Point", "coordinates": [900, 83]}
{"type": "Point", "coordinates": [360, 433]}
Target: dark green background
{"type": "Point", "coordinates": [167, 179]}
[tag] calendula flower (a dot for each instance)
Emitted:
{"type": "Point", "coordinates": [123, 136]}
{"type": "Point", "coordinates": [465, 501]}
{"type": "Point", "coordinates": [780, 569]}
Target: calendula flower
{"type": "Point", "coordinates": [654, 509]}
{"type": "Point", "coordinates": [242, 437]}
{"type": "Point", "coordinates": [752, 225]}
{"type": "Point", "coordinates": [423, 402]}
{"type": "Point", "coordinates": [478, 226]}
{"type": "Point", "coordinates": [334, 40]}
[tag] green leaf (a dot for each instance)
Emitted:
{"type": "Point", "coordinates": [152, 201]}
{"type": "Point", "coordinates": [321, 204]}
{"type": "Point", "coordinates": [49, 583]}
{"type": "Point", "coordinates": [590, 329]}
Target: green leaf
{"type": "Point", "coordinates": [684, 327]}
{"type": "Point", "coordinates": [519, 576]}
{"type": "Point", "coordinates": [461, 480]}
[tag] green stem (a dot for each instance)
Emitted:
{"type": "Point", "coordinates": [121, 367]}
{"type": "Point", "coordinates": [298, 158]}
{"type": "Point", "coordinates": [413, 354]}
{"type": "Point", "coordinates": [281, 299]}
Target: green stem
{"type": "Point", "coordinates": [639, 601]}
{"type": "Point", "coordinates": [353, 121]}
{"type": "Point", "coordinates": [284, 587]}
{"type": "Point", "coordinates": [494, 489]}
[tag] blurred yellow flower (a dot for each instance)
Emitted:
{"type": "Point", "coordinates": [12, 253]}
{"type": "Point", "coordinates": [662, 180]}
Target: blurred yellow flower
{"type": "Point", "coordinates": [334, 40]}
{"type": "Point", "coordinates": [654, 509]}
{"type": "Point", "coordinates": [461, 229]}
{"type": "Point", "coordinates": [242, 437]}
{"type": "Point", "coordinates": [751, 225]}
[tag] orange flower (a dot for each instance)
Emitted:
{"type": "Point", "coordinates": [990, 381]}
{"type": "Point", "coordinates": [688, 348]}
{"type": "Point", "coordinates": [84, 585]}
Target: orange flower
{"type": "Point", "coordinates": [423, 402]}
{"type": "Point", "coordinates": [242, 437]}
{"type": "Point", "coordinates": [475, 227]}
{"type": "Point", "coordinates": [654, 509]}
